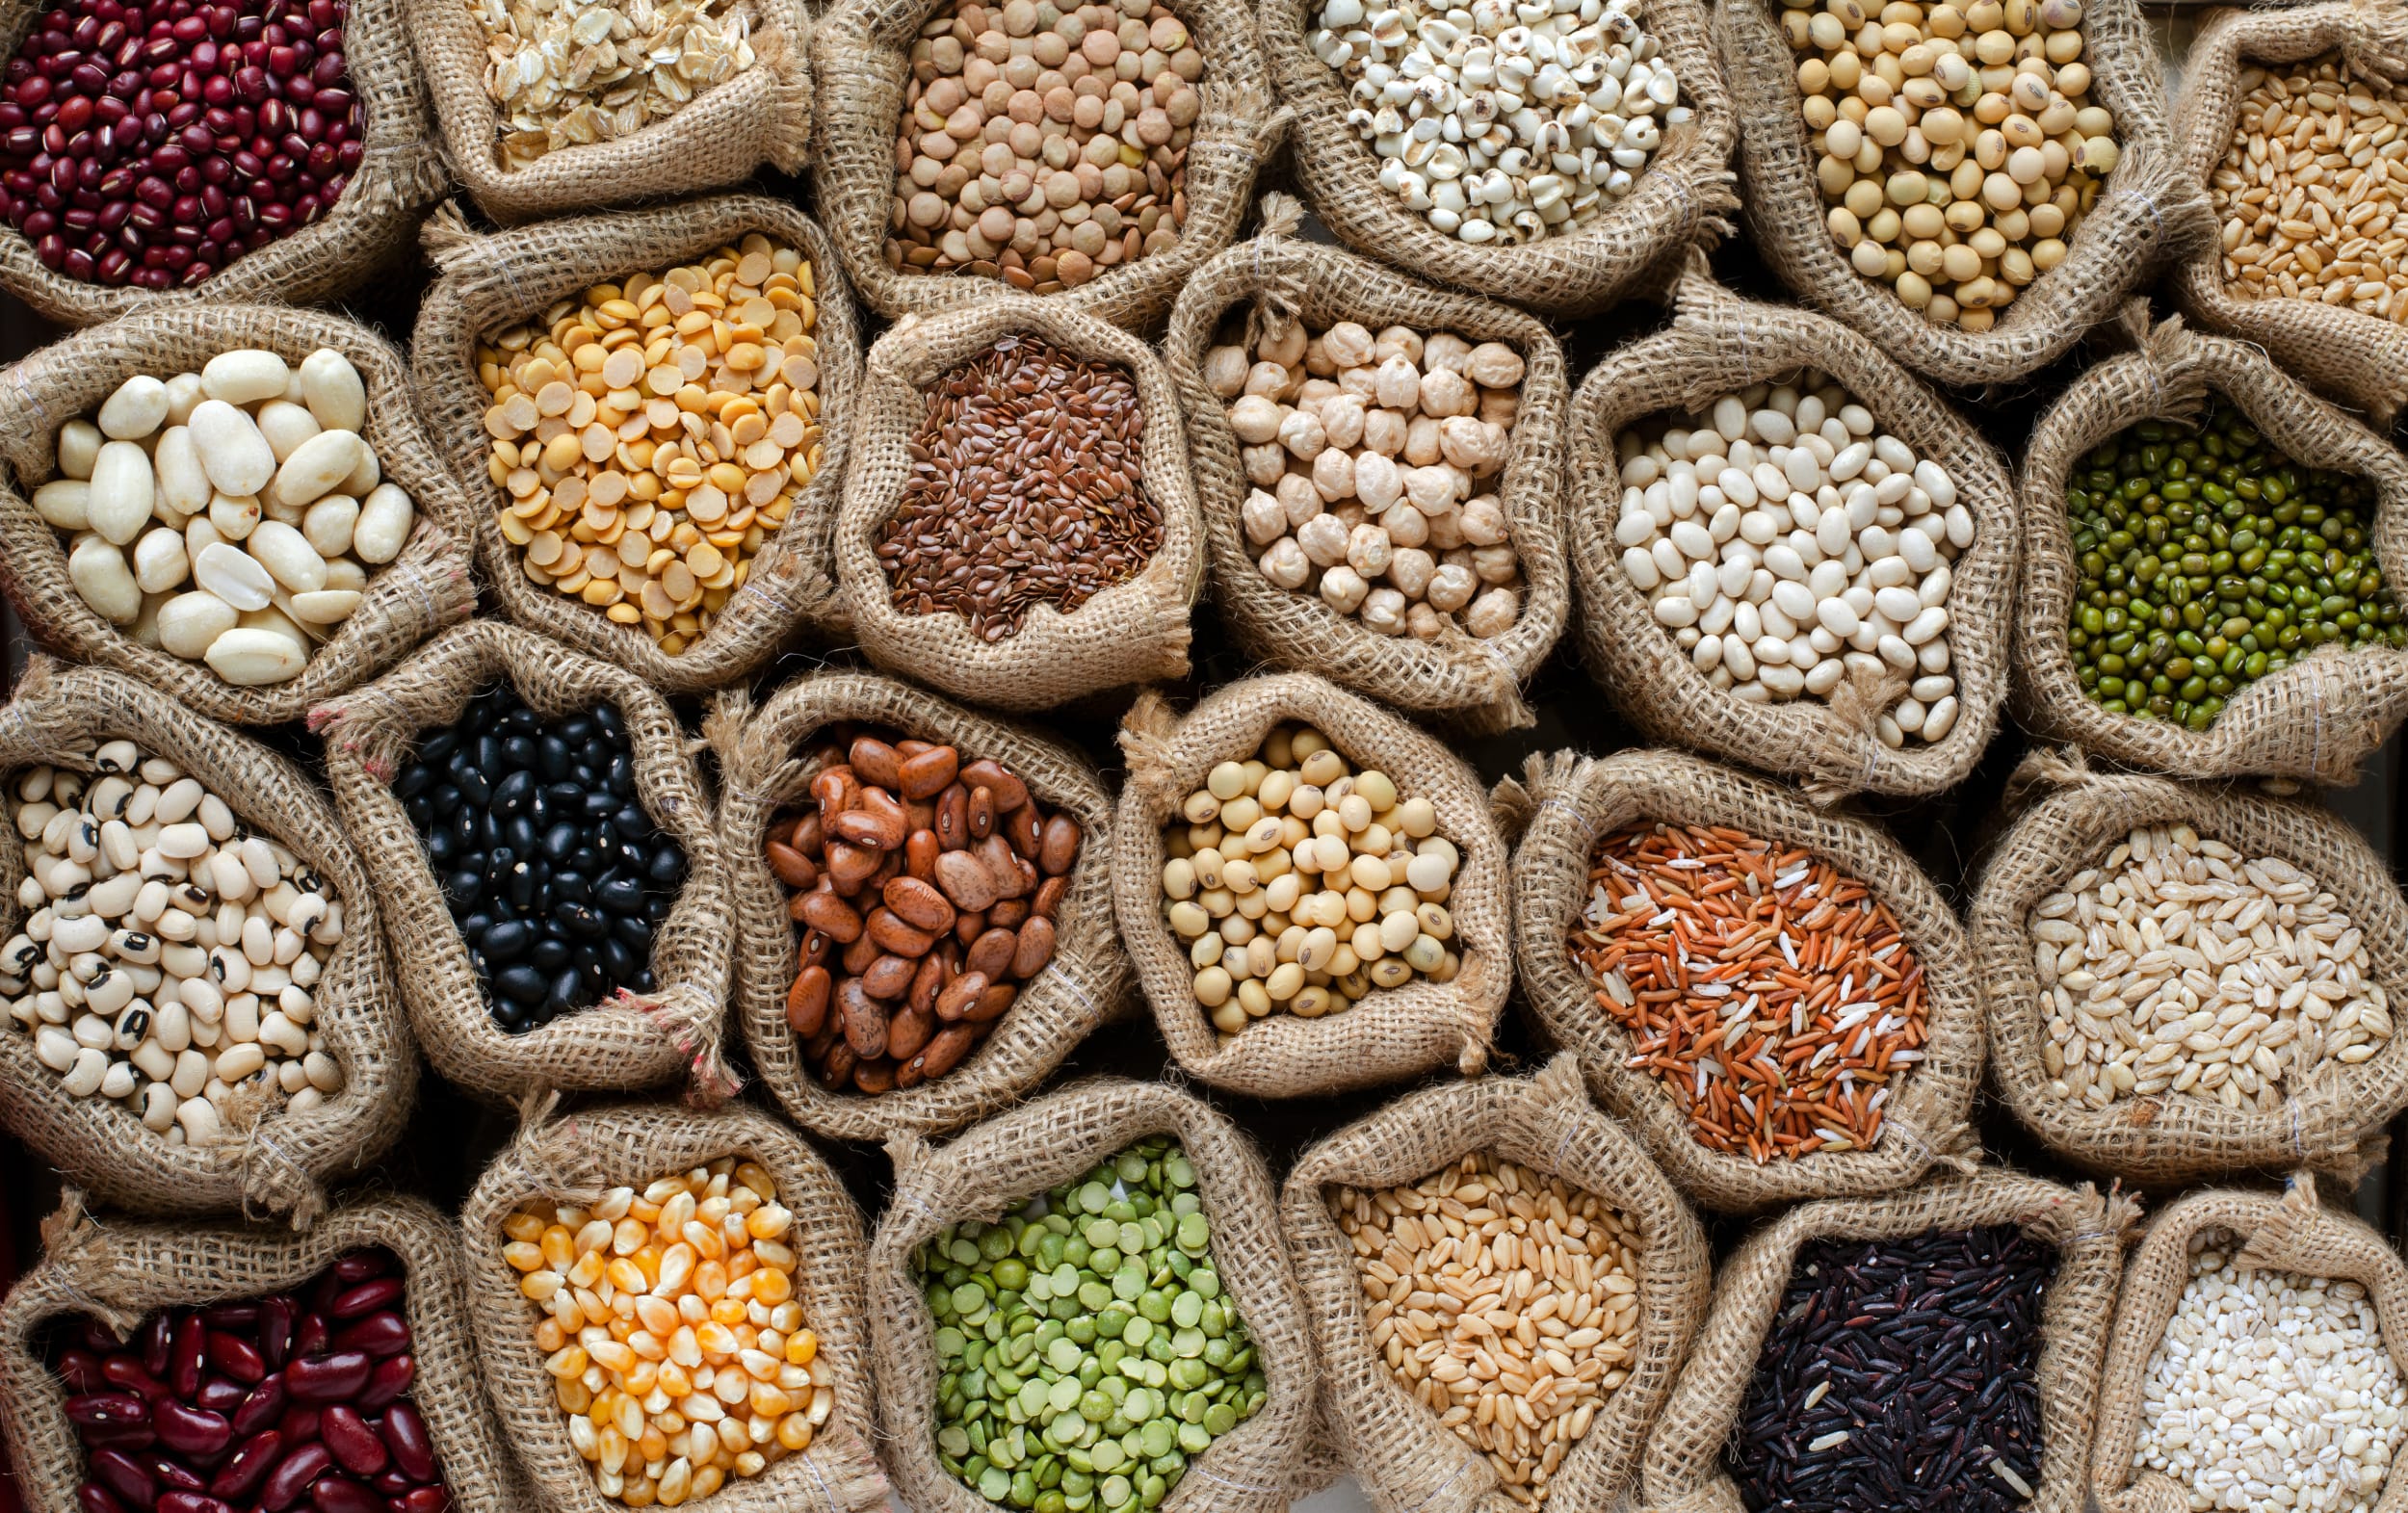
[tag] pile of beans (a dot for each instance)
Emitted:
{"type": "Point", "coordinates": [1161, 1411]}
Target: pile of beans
{"type": "Point", "coordinates": [1790, 546]}
{"type": "Point", "coordinates": [1957, 144]}
{"type": "Point", "coordinates": [154, 144]}
{"type": "Point", "coordinates": [2271, 1391]}
{"type": "Point", "coordinates": [168, 957]}
{"type": "Point", "coordinates": [1087, 1350]}
{"type": "Point", "coordinates": [1043, 143]}
{"type": "Point", "coordinates": [1027, 488]}
{"type": "Point", "coordinates": [295, 1401]}
{"type": "Point", "coordinates": [1506, 1303]}
{"type": "Point", "coordinates": [1297, 885]}
{"type": "Point", "coordinates": [2208, 560]}
{"type": "Point", "coordinates": [2307, 191]}
{"type": "Point", "coordinates": [2177, 965]}
{"type": "Point", "coordinates": [1900, 1374]}
{"type": "Point", "coordinates": [1376, 461]}
{"type": "Point", "coordinates": [552, 870]}
{"type": "Point", "coordinates": [231, 515]}
{"type": "Point", "coordinates": [928, 889]}
{"type": "Point", "coordinates": [1767, 992]}
{"type": "Point", "coordinates": [651, 435]}
{"type": "Point", "coordinates": [1499, 122]}
{"type": "Point", "coordinates": [674, 1339]}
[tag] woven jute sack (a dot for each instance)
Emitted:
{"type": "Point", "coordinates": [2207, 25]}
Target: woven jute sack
{"type": "Point", "coordinates": [2290, 1231]}
{"type": "Point", "coordinates": [1717, 344]}
{"type": "Point", "coordinates": [2333, 1120]}
{"type": "Point", "coordinates": [1683, 197]}
{"type": "Point", "coordinates": [2149, 211]}
{"type": "Point", "coordinates": [2314, 721]}
{"type": "Point", "coordinates": [1392, 1034]}
{"type": "Point", "coordinates": [1395, 1447]}
{"type": "Point", "coordinates": [1564, 805]}
{"type": "Point", "coordinates": [1682, 1470]}
{"type": "Point", "coordinates": [1254, 1468]}
{"type": "Point", "coordinates": [762, 115]}
{"type": "Point", "coordinates": [424, 589]}
{"type": "Point", "coordinates": [766, 763]}
{"type": "Point", "coordinates": [571, 1159]}
{"type": "Point", "coordinates": [1133, 632]}
{"type": "Point", "coordinates": [669, 1036]}
{"type": "Point", "coordinates": [490, 282]}
{"type": "Point", "coordinates": [1280, 279]}
{"type": "Point", "coordinates": [269, 1159]}
{"type": "Point", "coordinates": [122, 1273]}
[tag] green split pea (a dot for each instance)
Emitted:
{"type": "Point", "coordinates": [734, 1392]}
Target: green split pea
{"type": "Point", "coordinates": [1088, 1352]}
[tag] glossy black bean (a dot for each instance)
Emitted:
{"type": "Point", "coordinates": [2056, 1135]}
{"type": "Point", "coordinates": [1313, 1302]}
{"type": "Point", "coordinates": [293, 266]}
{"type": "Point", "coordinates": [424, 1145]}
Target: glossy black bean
{"type": "Point", "coordinates": [512, 792]}
{"type": "Point", "coordinates": [508, 940]}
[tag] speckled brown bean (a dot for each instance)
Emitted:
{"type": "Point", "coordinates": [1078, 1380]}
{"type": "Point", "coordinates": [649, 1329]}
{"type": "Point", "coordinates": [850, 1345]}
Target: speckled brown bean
{"type": "Point", "coordinates": [889, 978]}
{"type": "Point", "coordinates": [920, 852]}
{"type": "Point", "coordinates": [877, 763]}
{"type": "Point", "coordinates": [831, 916]}
{"type": "Point", "coordinates": [991, 953]}
{"type": "Point", "coordinates": [929, 773]}
{"type": "Point", "coordinates": [1059, 847]}
{"type": "Point", "coordinates": [945, 1051]}
{"type": "Point", "coordinates": [919, 904]}
{"type": "Point", "coordinates": [908, 1032]}
{"type": "Point", "coordinates": [961, 996]}
{"type": "Point", "coordinates": [806, 1001]}
{"type": "Point", "coordinates": [864, 1019]}
{"type": "Point", "coordinates": [1010, 792]}
{"type": "Point", "coordinates": [1034, 947]}
{"type": "Point", "coordinates": [952, 819]}
{"type": "Point", "coordinates": [981, 813]}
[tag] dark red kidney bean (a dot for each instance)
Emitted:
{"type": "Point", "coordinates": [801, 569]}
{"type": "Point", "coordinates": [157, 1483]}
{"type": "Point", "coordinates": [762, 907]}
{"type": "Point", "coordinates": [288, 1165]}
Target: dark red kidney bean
{"type": "Point", "coordinates": [126, 1476]}
{"type": "Point", "coordinates": [236, 1358]}
{"type": "Point", "coordinates": [184, 1366]}
{"type": "Point", "coordinates": [231, 1315]}
{"type": "Point", "coordinates": [298, 1426]}
{"type": "Point", "coordinates": [157, 1343]}
{"type": "Point", "coordinates": [335, 1495]}
{"type": "Point", "coordinates": [174, 1474]}
{"type": "Point", "coordinates": [424, 1499]}
{"type": "Point", "coordinates": [378, 1335]}
{"type": "Point", "coordinates": [310, 1336]}
{"type": "Point", "coordinates": [276, 1316]}
{"type": "Point", "coordinates": [194, 1431]}
{"type": "Point", "coordinates": [221, 1394]}
{"type": "Point", "coordinates": [125, 1372]}
{"type": "Point", "coordinates": [249, 1466]}
{"type": "Point", "coordinates": [192, 1503]}
{"type": "Point", "coordinates": [367, 1297]}
{"type": "Point", "coordinates": [389, 1380]}
{"type": "Point", "coordinates": [327, 1378]}
{"type": "Point", "coordinates": [107, 1410]}
{"type": "Point", "coordinates": [391, 1481]}
{"type": "Point", "coordinates": [356, 1447]}
{"type": "Point", "coordinates": [405, 1436]}
{"type": "Point", "coordinates": [93, 1498]}
{"type": "Point", "coordinates": [264, 1405]}
{"type": "Point", "coordinates": [292, 1476]}
{"type": "Point", "coordinates": [362, 1265]}
{"type": "Point", "coordinates": [80, 1370]}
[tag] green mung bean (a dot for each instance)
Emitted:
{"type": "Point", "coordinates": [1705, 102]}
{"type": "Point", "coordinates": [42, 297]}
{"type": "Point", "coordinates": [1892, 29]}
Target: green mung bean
{"type": "Point", "coordinates": [1088, 1349]}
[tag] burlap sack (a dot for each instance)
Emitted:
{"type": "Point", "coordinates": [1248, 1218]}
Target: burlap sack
{"type": "Point", "coordinates": [1393, 1444]}
{"type": "Point", "coordinates": [1021, 1154]}
{"type": "Point", "coordinates": [1718, 344]}
{"type": "Point", "coordinates": [1682, 1470]}
{"type": "Point", "coordinates": [862, 53]}
{"type": "Point", "coordinates": [1564, 805]}
{"type": "Point", "coordinates": [406, 600]}
{"type": "Point", "coordinates": [1133, 632]}
{"type": "Point", "coordinates": [1684, 196]}
{"type": "Point", "coordinates": [762, 115]}
{"type": "Point", "coordinates": [489, 282]}
{"type": "Point", "coordinates": [2286, 1232]}
{"type": "Point", "coordinates": [2150, 209]}
{"type": "Point", "coordinates": [668, 1037]}
{"type": "Point", "coordinates": [765, 764]}
{"type": "Point", "coordinates": [269, 1159]}
{"type": "Point", "coordinates": [1281, 278]}
{"type": "Point", "coordinates": [572, 1159]}
{"type": "Point", "coordinates": [2333, 1120]}
{"type": "Point", "coordinates": [2317, 719]}
{"type": "Point", "coordinates": [360, 236]}
{"type": "Point", "coordinates": [1393, 1033]}
{"type": "Point", "coordinates": [122, 1273]}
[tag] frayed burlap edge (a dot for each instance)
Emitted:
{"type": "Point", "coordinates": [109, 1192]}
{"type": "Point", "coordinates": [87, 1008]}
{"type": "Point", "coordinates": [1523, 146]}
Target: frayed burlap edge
{"type": "Point", "coordinates": [1253, 1467]}
{"type": "Point", "coordinates": [2317, 719]}
{"type": "Point", "coordinates": [1563, 805]}
{"type": "Point", "coordinates": [634, 1041]}
{"type": "Point", "coordinates": [1391, 1442]}
{"type": "Point", "coordinates": [1718, 343]}
{"type": "Point", "coordinates": [408, 599]}
{"type": "Point", "coordinates": [1282, 277]}
{"type": "Point", "coordinates": [269, 1160]}
{"type": "Point", "coordinates": [489, 282]}
{"type": "Point", "coordinates": [1133, 631]}
{"type": "Point", "coordinates": [570, 1159]}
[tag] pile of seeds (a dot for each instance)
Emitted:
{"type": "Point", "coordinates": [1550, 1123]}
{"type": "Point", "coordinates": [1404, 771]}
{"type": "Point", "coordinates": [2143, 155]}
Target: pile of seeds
{"type": "Point", "coordinates": [2309, 188]}
{"type": "Point", "coordinates": [1900, 1374]}
{"type": "Point", "coordinates": [2271, 1391]}
{"type": "Point", "coordinates": [651, 435]}
{"type": "Point", "coordinates": [1376, 461]}
{"type": "Point", "coordinates": [2208, 560]}
{"type": "Point", "coordinates": [1043, 143]}
{"type": "Point", "coordinates": [565, 72]}
{"type": "Point", "coordinates": [1027, 488]}
{"type": "Point", "coordinates": [2177, 965]}
{"type": "Point", "coordinates": [674, 1342]}
{"type": "Point", "coordinates": [1087, 1348]}
{"type": "Point", "coordinates": [168, 958]}
{"type": "Point", "coordinates": [1789, 547]}
{"type": "Point", "coordinates": [1504, 1301]}
{"type": "Point", "coordinates": [1770, 994]}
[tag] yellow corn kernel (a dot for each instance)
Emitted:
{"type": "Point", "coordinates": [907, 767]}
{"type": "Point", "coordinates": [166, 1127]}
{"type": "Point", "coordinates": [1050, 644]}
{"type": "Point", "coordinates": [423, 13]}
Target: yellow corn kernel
{"type": "Point", "coordinates": [524, 1228]}
{"type": "Point", "coordinates": [541, 1286]}
{"type": "Point", "coordinates": [629, 1417]}
{"type": "Point", "coordinates": [767, 1399]}
{"type": "Point", "coordinates": [704, 1239]}
{"type": "Point", "coordinates": [648, 1262]}
{"type": "Point", "coordinates": [613, 1445]}
{"type": "Point", "coordinates": [676, 1379]}
{"type": "Point", "coordinates": [640, 1494]}
{"type": "Point", "coordinates": [772, 1286]}
{"type": "Point", "coordinates": [628, 1236]}
{"type": "Point", "coordinates": [550, 1336]}
{"type": "Point", "coordinates": [522, 1256]}
{"type": "Point", "coordinates": [647, 1344]}
{"type": "Point", "coordinates": [707, 1480]}
{"type": "Point", "coordinates": [750, 1462]}
{"type": "Point", "coordinates": [586, 1271]}
{"type": "Point", "coordinates": [627, 1276]}
{"type": "Point", "coordinates": [710, 1280]}
{"type": "Point", "coordinates": [641, 1377]}
{"type": "Point", "coordinates": [801, 1347]}
{"type": "Point", "coordinates": [611, 1355]}
{"type": "Point", "coordinates": [572, 1396]}
{"type": "Point", "coordinates": [568, 1361]}
{"type": "Point", "coordinates": [768, 1221]}
{"type": "Point", "coordinates": [560, 1247]}
{"type": "Point", "coordinates": [729, 1312]}
{"type": "Point", "coordinates": [715, 1339]}
{"type": "Point", "coordinates": [794, 1432]}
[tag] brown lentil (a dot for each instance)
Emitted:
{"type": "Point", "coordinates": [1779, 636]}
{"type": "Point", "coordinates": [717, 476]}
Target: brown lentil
{"type": "Point", "coordinates": [2311, 189]}
{"type": "Point", "coordinates": [1026, 487]}
{"type": "Point", "coordinates": [1768, 992]}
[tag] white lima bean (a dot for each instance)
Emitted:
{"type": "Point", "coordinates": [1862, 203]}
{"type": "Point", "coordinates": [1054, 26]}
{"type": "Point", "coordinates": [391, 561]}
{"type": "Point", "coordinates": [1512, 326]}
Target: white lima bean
{"type": "Point", "coordinates": [230, 516]}
{"type": "Point", "coordinates": [1788, 546]}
